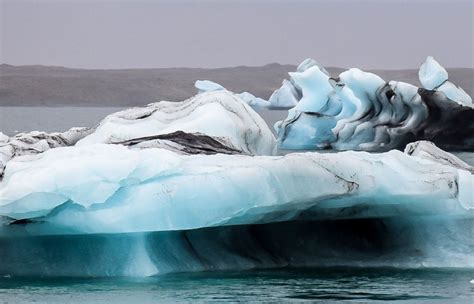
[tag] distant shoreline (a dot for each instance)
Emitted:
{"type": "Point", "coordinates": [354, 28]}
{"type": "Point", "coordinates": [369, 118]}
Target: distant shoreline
{"type": "Point", "coordinates": [42, 86]}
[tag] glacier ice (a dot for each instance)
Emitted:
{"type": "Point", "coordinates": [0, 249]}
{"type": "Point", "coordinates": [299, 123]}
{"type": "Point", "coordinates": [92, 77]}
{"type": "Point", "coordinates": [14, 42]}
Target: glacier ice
{"type": "Point", "coordinates": [218, 114]}
{"type": "Point", "coordinates": [432, 74]}
{"type": "Point", "coordinates": [410, 242]}
{"type": "Point", "coordinates": [428, 150]}
{"type": "Point", "coordinates": [255, 102]}
{"type": "Point", "coordinates": [36, 142]}
{"type": "Point", "coordinates": [207, 86]}
{"type": "Point", "coordinates": [198, 185]}
{"type": "Point", "coordinates": [113, 210]}
{"type": "Point", "coordinates": [360, 111]}
{"type": "Point", "coordinates": [290, 93]}
{"type": "Point", "coordinates": [221, 115]}
{"type": "Point", "coordinates": [434, 77]}
{"type": "Point", "coordinates": [285, 97]}
{"type": "Point", "coordinates": [100, 188]}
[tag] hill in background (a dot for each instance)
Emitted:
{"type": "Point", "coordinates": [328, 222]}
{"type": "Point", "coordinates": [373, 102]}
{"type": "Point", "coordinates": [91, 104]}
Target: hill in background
{"type": "Point", "coordinates": [58, 86]}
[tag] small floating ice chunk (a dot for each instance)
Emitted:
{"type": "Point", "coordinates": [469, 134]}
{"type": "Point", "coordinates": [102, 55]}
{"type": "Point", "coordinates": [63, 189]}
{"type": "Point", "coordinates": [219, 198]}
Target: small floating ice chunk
{"type": "Point", "coordinates": [432, 74]}
{"type": "Point", "coordinates": [207, 86]}
{"type": "Point", "coordinates": [434, 77]}
{"type": "Point", "coordinates": [253, 101]}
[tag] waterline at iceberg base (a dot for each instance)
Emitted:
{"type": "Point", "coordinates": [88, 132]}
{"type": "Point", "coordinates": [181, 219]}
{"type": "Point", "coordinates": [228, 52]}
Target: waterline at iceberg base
{"type": "Point", "coordinates": [403, 242]}
{"type": "Point", "coordinates": [198, 185]}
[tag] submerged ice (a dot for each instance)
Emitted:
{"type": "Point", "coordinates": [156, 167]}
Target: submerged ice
{"type": "Point", "coordinates": [199, 185]}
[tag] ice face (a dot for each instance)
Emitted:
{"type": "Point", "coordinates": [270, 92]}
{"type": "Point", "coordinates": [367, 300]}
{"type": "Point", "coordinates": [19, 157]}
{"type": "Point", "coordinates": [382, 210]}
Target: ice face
{"type": "Point", "coordinates": [360, 111]}
{"type": "Point", "coordinates": [110, 188]}
{"type": "Point", "coordinates": [315, 89]}
{"type": "Point", "coordinates": [434, 77]}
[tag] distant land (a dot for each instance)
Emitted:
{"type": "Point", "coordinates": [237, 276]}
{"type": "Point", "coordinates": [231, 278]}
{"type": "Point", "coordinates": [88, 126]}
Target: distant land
{"type": "Point", "coordinates": [64, 87]}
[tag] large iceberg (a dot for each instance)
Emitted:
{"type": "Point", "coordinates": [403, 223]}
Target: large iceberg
{"type": "Point", "coordinates": [198, 185]}
{"type": "Point", "coordinates": [360, 111]}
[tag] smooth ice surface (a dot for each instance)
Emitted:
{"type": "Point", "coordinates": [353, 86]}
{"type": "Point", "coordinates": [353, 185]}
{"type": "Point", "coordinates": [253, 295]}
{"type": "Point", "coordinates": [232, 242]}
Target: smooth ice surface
{"type": "Point", "coordinates": [110, 189]}
{"type": "Point", "coordinates": [207, 86]}
{"type": "Point", "coordinates": [434, 77]}
{"type": "Point", "coordinates": [432, 74]}
{"type": "Point", "coordinates": [284, 97]}
{"type": "Point", "coordinates": [455, 93]}
{"type": "Point", "coordinates": [253, 101]}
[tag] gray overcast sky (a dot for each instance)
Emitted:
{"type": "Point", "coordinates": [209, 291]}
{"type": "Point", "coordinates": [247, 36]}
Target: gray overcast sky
{"type": "Point", "coordinates": [145, 34]}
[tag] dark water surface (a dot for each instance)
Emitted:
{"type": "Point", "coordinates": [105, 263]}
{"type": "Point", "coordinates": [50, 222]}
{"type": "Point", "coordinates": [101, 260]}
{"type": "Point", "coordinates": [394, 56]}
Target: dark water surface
{"type": "Point", "coordinates": [325, 284]}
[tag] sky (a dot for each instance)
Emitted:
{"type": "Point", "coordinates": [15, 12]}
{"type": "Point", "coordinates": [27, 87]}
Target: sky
{"type": "Point", "coordinates": [387, 34]}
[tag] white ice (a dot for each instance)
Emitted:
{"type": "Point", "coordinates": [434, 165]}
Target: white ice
{"type": "Point", "coordinates": [101, 188]}
{"type": "Point", "coordinates": [257, 103]}
{"type": "Point", "coordinates": [207, 86]}
{"type": "Point", "coordinates": [435, 77]}
{"type": "Point", "coordinates": [219, 114]}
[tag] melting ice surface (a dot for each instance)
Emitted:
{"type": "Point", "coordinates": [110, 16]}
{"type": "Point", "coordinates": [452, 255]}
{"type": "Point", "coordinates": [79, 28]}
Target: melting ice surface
{"type": "Point", "coordinates": [360, 111]}
{"type": "Point", "coordinates": [197, 185]}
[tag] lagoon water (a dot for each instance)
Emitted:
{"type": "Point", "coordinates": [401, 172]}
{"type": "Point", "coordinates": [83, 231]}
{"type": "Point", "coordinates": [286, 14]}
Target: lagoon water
{"type": "Point", "coordinates": [284, 285]}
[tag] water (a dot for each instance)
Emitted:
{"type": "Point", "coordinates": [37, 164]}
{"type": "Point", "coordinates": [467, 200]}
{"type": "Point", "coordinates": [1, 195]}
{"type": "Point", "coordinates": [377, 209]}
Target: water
{"type": "Point", "coordinates": [50, 119]}
{"type": "Point", "coordinates": [324, 284]}
{"type": "Point", "coordinates": [24, 119]}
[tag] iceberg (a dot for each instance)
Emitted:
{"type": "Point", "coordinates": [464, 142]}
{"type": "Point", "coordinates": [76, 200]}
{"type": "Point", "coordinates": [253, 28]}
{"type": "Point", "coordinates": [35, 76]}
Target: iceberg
{"type": "Point", "coordinates": [256, 103]}
{"type": "Point", "coordinates": [198, 184]}
{"type": "Point", "coordinates": [207, 86]}
{"type": "Point", "coordinates": [434, 77]}
{"type": "Point", "coordinates": [360, 111]}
